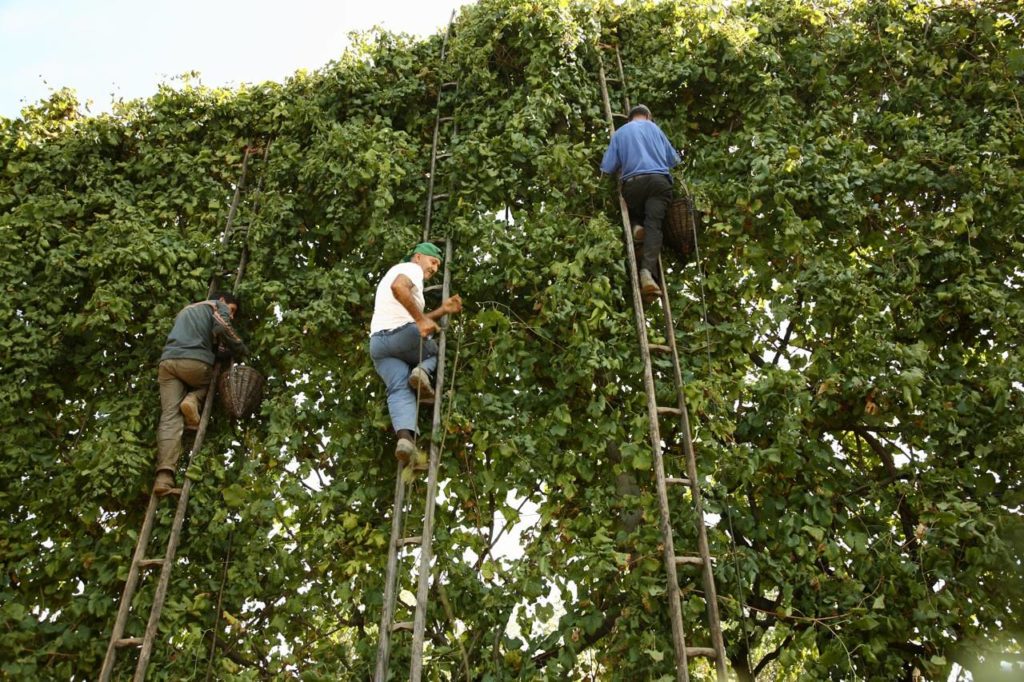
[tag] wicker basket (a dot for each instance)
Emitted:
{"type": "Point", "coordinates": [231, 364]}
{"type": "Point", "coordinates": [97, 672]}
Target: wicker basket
{"type": "Point", "coordinates": [680, 222]}
{"type": "Point", "coordinates": [241, 389]}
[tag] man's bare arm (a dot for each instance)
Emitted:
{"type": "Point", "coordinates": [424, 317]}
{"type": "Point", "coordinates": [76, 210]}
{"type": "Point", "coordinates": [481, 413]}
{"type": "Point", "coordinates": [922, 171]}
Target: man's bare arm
{"type": "Point", "coordinates": [451, 306]}
{"type": "Point", "coordinates": [402, 289]}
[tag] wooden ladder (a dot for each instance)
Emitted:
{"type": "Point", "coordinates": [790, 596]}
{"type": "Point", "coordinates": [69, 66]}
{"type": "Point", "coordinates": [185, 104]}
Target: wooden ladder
{"type": "Point", "coordinates": [682, 482]}
{"type": "Point", "coordinates": [140, 562]}
{"type": "Point", "coordinates": [444, 127]}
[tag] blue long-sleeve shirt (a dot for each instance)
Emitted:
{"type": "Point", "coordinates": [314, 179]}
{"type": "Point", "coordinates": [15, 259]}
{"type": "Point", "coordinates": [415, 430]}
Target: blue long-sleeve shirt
{"type": "Point", "coordinates": [639, 148]}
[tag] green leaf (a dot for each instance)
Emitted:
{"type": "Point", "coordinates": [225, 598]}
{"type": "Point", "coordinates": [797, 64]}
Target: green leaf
{"type": "Point", "coordinates": [642, 460]}
{"type": "Point", "coordinates": [234, 495]}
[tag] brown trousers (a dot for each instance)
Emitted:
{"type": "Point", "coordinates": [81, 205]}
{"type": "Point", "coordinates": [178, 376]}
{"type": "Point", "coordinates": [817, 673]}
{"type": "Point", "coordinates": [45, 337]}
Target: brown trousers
{"type": "Point", "coordinates": [177, 379]}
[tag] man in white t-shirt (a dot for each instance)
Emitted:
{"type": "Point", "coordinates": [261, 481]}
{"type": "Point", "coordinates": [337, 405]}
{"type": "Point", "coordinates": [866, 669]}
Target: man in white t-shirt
{"type": "Point", "coordinates": [403, 353]}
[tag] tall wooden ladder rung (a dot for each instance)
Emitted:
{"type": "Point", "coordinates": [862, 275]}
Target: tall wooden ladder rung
{"type": "Point", "coordinates": [128, 641]}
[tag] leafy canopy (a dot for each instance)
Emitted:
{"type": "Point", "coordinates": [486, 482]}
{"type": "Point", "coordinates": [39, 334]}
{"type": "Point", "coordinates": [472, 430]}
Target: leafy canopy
{"type": "Point", "coordinates": [855, 388]}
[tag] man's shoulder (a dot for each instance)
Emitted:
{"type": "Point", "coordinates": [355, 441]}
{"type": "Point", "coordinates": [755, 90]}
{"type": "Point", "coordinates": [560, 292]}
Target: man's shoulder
{"type": "Point", "coordinates": [199, 308]}
{"type": "Point", "coordinates": [638, 128]}
{"type": "Point", "coordinates": [410, 270]}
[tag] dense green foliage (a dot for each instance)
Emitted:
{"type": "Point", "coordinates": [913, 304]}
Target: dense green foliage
{"type": "Point", "coordinates": [856, 392]}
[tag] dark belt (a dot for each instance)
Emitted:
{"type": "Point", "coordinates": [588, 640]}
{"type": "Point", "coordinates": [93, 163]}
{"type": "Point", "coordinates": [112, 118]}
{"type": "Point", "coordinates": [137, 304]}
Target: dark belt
{"type": "Point", "coordinates": [631, 178]}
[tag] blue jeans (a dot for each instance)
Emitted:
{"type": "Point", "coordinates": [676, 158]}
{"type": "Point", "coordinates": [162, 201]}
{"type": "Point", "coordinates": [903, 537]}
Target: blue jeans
{"type": "Point", "coordinates": [395, 352]}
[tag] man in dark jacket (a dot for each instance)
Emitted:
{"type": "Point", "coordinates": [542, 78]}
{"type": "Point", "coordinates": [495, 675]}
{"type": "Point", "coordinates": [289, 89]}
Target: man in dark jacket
{"type": "Point", "coordinates": [642, 156]}
{"type": "Point", "coordinates": [184, 375]}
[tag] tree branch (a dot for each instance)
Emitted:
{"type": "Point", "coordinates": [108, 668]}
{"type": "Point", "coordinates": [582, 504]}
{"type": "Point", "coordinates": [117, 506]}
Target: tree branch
{"type": "Point", "coordinates": [908, 518]}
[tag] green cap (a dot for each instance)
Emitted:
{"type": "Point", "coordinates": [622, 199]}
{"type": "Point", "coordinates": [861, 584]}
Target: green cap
{"type": "Point", "coordinates": [427, 249]}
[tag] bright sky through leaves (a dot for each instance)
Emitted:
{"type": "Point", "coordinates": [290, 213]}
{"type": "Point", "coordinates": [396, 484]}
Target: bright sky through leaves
{"type": "Point", "coordinates": [114, 49]}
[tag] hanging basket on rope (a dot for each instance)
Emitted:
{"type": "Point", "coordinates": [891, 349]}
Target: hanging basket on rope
{"type": "Point", "coordinates": [241, 389]}
{"type": "Point", "coordinates": [680, 222]}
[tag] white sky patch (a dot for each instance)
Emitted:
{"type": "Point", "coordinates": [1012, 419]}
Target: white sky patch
{"type": "Point", "coordinates": [117, 49]}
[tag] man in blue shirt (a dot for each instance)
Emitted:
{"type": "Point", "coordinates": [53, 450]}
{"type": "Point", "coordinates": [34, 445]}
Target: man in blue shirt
{"type": "Point", "coordinates": [643, 156]}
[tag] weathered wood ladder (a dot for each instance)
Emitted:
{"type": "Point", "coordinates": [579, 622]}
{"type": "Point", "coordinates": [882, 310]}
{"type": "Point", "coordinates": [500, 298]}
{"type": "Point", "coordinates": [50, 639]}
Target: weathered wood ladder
{"type": "Point", "coordinates": [444, 126]}
{"type": "Point", "coordinates": [139, 560]}
{"type": "Point", "coordinates": [690, 480]}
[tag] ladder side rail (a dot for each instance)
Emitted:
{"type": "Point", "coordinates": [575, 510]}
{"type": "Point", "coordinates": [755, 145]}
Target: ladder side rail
{"type": "Point", "coordinates": [607, 105]}
{"type": "Point", "coordinates": [172, 542]}
{"type": "Point", "coordinates": [433, 167]}
{"type": "Point", "coordinates": [710, 591]}
{"type": "Point", "coordinates": [130, 585]}
{"type": "Point", "coordinates": [235, 199]}
{"type": "Point", "coordinates": [390, 584]}
{"type": "Point", "coordinates": [437, 129]}
{"type": "Point", "coordinates": [243, 260]}
{"type": "Point", "coordinates": [426, 546]}
{"type": "Point", "coordinates": [622, 79]}
{"type": "Point", "coordinates": [674, 595]}
{"type": "Point", "coordinates": [447, 35]}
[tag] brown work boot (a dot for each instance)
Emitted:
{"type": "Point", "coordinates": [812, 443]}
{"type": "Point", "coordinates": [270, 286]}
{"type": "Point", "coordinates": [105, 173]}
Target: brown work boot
{"type": "Point", "coordinates": [638, 233]}
{"type": "Point", "coordinates": [405, 450]}
{"type": "Point", "coordinates": [190, 410]}
{"type": "Point", "coordinates": [648, 287]}
{"type": "Point", "coordinates": [419, 381]}
{"type": "Point", "coordinates": [164, 483]}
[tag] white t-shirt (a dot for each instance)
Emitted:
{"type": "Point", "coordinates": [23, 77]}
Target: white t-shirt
{"type": "Point", "coordinates": [388, 313]}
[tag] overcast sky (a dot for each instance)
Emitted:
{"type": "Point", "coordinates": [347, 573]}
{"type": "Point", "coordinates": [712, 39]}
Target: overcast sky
{"type": "Point", "coordinates": [113, 49]}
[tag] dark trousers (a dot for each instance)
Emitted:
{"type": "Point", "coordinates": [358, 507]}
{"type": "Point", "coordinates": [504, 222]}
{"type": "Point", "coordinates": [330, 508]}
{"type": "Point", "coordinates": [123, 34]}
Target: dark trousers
{"type": "Point", "coordinates": [648, 197]}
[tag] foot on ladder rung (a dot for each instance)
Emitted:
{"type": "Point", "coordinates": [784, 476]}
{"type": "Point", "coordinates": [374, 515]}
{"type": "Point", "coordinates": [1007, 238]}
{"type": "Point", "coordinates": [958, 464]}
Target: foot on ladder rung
{"type": "Point", "coordinates": [151, 563]}
{"type": "Point", "coordinates": [689, 561]}
{"type": "Point", "coordinates": [669, 410]}
{"type": "Point", "coordinates": [677, 481]}
{"type": "Point", "coordinates": [418, 540]}
{"type": "Point", "coordinates": [401, 625]}
{"type": "Point", "coordinates": [128, 641]}
{"type": "Point", "coordinates": [705, 651]}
